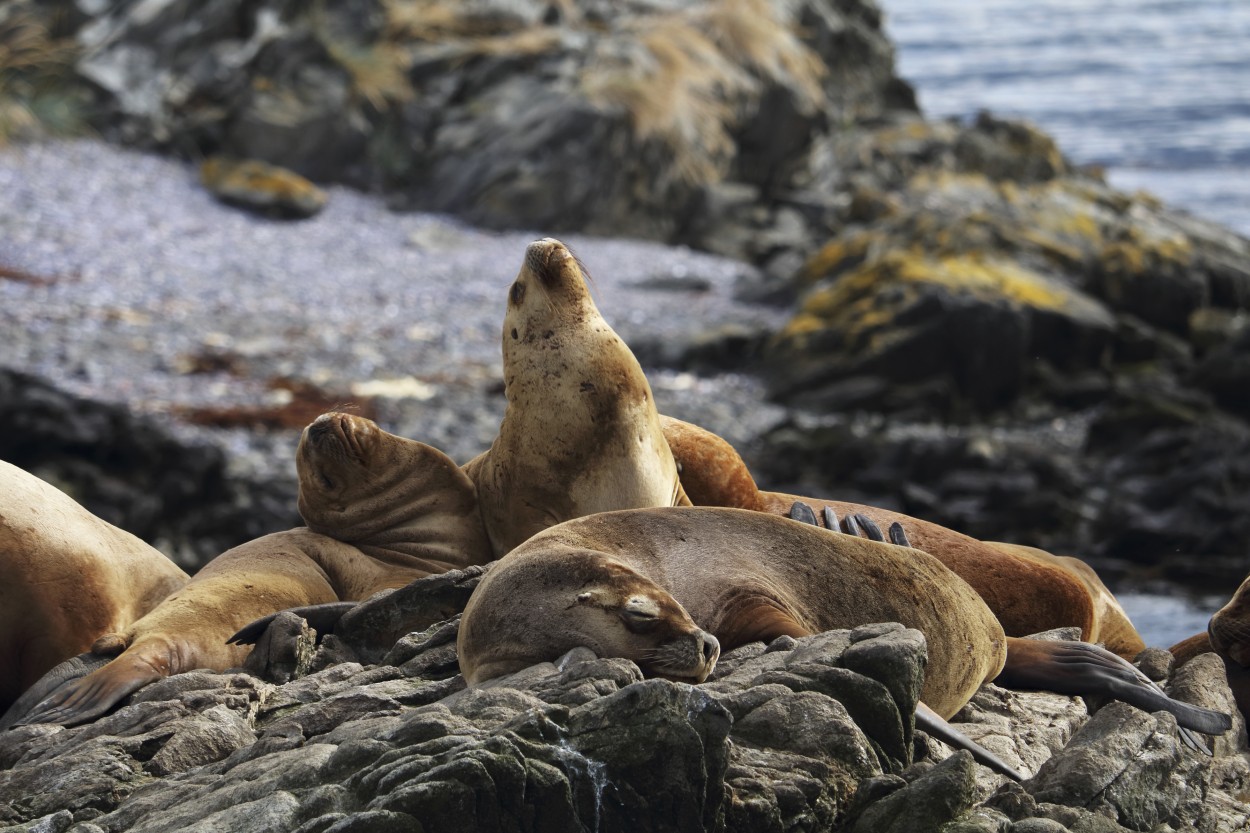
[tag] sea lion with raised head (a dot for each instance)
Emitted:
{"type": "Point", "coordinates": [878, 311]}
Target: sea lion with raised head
{"type": "Point", "coordinates": [66, 578]}
{"type": "Point", "coordinates": [1029, 590]}
{"type": "Point", "coordinates": [380, 510]}
{"type": "Point", "coordinates": [580, 433]}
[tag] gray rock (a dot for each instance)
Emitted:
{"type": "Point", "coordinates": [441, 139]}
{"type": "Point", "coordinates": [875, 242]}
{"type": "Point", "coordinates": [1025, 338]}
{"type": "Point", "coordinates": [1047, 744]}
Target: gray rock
{"type": "Point", "coordinates": [933, 799]}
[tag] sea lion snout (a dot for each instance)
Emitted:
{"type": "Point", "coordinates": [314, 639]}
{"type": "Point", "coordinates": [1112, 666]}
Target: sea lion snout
{"type": "Point", "coordinates": [548, 259]}
{"type": "Point", "coordinates": [338, 434]}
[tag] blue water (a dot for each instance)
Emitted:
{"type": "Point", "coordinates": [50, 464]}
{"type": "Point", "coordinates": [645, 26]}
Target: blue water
{"type": "Point", "coordinates": [1157, 91]}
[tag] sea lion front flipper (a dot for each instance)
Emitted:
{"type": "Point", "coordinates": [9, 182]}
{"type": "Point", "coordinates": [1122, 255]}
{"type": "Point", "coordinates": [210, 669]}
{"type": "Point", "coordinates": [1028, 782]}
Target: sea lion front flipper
{"type": "Point", "coordinates": [1079, 668]}
{"type": "Point", "coordinates": [96, 694]}
{"type": "Point", "coordinates": [322, 618]}
{"type": "Point", "coordinates": [803, 513]}
{"type": "Point", "coordinates": [932, 723]}
{"type": "Point", "coordinates": [47, 685]}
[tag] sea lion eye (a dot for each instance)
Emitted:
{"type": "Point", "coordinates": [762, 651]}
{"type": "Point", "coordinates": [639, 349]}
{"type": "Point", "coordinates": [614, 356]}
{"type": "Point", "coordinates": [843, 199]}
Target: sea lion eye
{"type": "Point", "coordinates": [326, 483]}
{"type": "Point", "coordinates": [639, 621]}
{"type": "Point", "coordinates": [518, 293]}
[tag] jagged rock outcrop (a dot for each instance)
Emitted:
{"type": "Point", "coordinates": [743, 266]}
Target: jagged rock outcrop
{"type": "Point", "coordinates": [811, 734]}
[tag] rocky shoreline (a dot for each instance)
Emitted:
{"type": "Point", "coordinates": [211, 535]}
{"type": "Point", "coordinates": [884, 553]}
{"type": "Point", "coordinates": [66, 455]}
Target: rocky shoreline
{"type": "Point", "coordinates": [947, 319]}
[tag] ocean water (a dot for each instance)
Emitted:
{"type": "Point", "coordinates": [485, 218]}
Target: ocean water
{"type": "Point", "coordinates": [1156, 91]}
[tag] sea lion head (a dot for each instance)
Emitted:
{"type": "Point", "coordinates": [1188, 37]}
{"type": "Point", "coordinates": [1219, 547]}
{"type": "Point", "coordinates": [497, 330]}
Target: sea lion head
{"type": "Point", "coordinates": [549, 289]}
{"type": "Point", "coordinates": [537, 605]}
{"type": "Point", "coordinates": [356, 480]}
{"type": "Point", "coordinates": [1229, 628]}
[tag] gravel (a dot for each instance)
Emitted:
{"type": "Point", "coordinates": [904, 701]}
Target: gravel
{"type": "Point", "coordinates": [148, 292]}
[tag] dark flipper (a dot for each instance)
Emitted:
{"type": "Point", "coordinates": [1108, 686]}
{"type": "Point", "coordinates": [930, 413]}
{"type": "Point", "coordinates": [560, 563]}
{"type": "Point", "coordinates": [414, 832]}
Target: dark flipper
{"type": "Point", "coordinates": [831, 518]}
{"type": "Point", "coordinates": [321, 618]}
{"type": "Point", "coordinates": [932, 723]}
{"type": "Point", "coordinates": [803, 513]}
{"type": "Point", "coordinates": [96, 694]}
{"type": "Point", "coordinates": [46, 686]}
{"type": "Point", "coordinates": [870, 529]}
{"type": "Point", "coordinates": [897, 535]}
{"type": "Point", "coordinates": [1079, 668]}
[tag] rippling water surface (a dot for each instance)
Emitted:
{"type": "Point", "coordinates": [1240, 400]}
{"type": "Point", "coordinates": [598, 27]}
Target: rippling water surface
{"type": "Point", "coordinates": [1158, 91]}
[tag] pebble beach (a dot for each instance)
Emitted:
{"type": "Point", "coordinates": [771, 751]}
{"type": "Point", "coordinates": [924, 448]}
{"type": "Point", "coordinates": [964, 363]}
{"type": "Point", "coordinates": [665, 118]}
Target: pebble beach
{"type": "Point", "coordinates": [127, 282]}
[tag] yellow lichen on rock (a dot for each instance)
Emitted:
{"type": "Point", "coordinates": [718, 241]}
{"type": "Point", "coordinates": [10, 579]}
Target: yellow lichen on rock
{"type": "Point", "coordinates": [262, 187]}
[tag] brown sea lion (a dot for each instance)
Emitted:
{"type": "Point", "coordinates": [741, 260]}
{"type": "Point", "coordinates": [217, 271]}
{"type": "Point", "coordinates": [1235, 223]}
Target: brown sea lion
{"type": "Point", "coordinates": [381, 511]}
{"type": "Point", "coordinates": [1228, 635]}
{"type": "Point", "coordinates": [580, 433]}
{"type": "Point", "coordinates": [652, 584]}
{"type": "Point", "coordinates": [66, 578]}
{"type": "Point", "coordinates": [627, 583]}
{"type": "Point", "coordinates": [1029, 590]}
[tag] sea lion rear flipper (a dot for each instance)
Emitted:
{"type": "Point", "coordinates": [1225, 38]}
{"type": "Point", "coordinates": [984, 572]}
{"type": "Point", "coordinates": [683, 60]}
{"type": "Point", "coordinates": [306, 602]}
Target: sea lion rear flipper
{"type": "Point", "coordinates": [932, 723]}
{"type": "Point", "coordinates": [322, 618]}
{"type": "Point", "coordinates": [1079, 668]}
{"type": "Point", "coordinates": [803, 513]}
{"type": "Point", "coordinates": [72, 669]}
{"type": "Point", "coordinates": [91, 696]}
{"type": "Point", "coordinates": [868, 527]}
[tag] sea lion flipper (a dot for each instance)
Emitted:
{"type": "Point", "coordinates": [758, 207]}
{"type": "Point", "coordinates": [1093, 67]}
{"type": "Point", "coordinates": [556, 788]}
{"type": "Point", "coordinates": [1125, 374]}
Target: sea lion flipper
{"type": "Point", "coordinates": [831, 518]}
{"type": "Point", "coordinates": [47, 685]}
{"type": "Point", "coordinates": [870, 529]}
{"type": "Point", "coordinates": [1079, 668]}
{"type": "Point", "coordinates": [933, 724]}
{"type": "Point", "coordinates": [897, 535]}
{"type": "Point", "coordinates": [803, 513]}
{"type": "Point", "coordinates": [322, 618]}
{"type": "Point", "coordinates": [96, 694]}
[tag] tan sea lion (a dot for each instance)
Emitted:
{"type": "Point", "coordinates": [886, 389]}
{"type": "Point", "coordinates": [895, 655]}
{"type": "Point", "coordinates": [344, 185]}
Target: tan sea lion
{"type": "Point", "coordinates": [1029, 590]}
{"type": "Point", "coordinates": [580, 434]}
{"type": "Point", "coordinates": [381, 511]}
{"type": "Point", "coordinates": [652, 584]}
{"type": "Point", "coordinates": [621, 582]}
{"type": "Point", "coordinates": [66, 578]}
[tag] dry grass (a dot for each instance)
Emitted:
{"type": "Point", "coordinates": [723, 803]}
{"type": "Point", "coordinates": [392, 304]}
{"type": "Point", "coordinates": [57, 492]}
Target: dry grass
{"type": "Point", "coordinates": [685, 80]}
{"type": "Point", "coordinates": [34, 70]}
{"type": "Point", "coordinates": [688, 84]}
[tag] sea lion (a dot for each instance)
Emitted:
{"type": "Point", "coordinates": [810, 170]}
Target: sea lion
{"type": "Point", "coordinates": [66, 578]}
{"type": "Point", "coordinates": [580, 433]}
{"type": "Point", "coordinates": [1228, 635]}
{"type": "Point", "coordinates": [1029, 590]}
{"type": "Point", "coordinates": [653, 584]}
{"type": "Point", "coordinates": [625, 583]}
{"type": "Point", "coordinates": [380, 510]}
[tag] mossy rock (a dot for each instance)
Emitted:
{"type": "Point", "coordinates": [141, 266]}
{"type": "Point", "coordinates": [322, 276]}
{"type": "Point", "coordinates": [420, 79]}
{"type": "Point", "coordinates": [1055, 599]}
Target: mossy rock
{"type": "Point", "coordinates": [911, 318]}
{"type": "Point", "coordinates": [261, 187]}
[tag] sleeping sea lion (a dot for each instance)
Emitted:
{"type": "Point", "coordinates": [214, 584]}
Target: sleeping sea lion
{"type": "Point", "coordinates": [381, 511]}
{"type": "Point", "coordinates": [657, 585]}
{"type": "Point", "coordinates": [580, 433]}
{"type": "Point", "coordinates": [1029, 590]}
{"type": "Point", "coordinates": [66, 578]}
{"type": "Point", "coordinates": [632, 582]}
